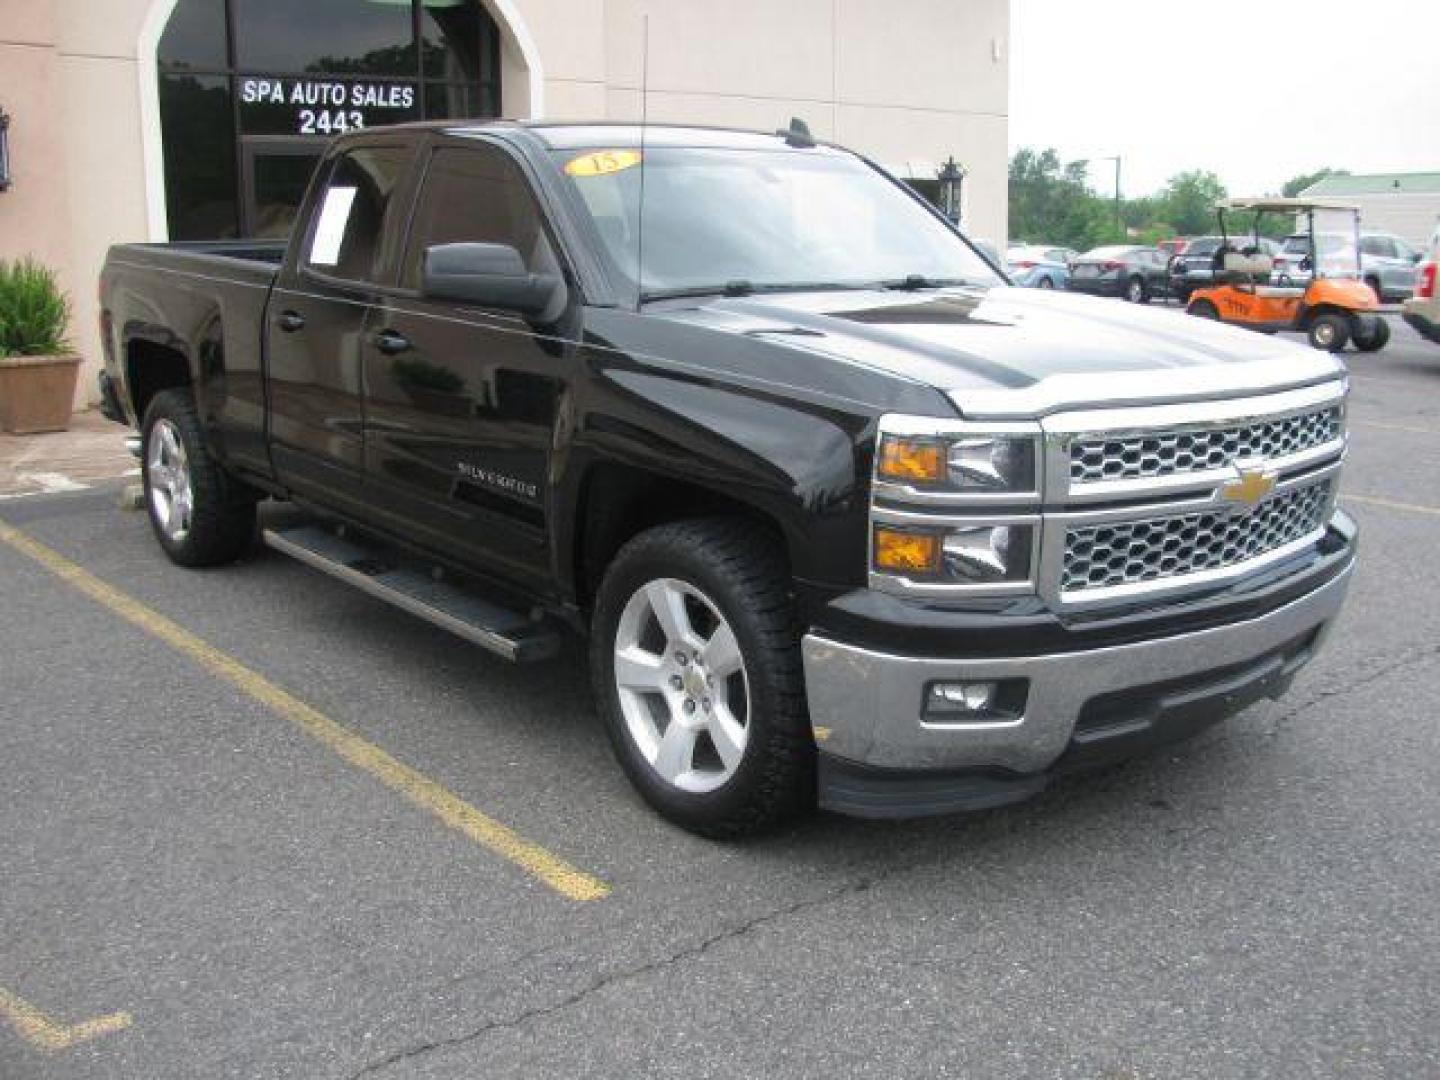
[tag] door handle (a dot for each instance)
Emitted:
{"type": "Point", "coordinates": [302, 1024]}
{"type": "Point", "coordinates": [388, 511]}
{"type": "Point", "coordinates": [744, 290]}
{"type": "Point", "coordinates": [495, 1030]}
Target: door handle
{"type": "Point", "coordinates": [390, 343]}
{"type": "Point", "coordinates": [290, 321]}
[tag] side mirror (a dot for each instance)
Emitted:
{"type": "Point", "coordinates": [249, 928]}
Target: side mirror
{"type": "Point", "coordinates": [486, 275]}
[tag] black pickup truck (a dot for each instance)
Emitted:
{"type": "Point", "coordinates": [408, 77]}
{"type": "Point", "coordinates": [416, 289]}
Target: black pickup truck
{"type": "Point", "coordinates": [843, 516]}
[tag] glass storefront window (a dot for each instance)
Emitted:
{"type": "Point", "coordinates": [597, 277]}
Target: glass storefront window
{"type": "Point", "coordinates": [200, 180]}
{"type": "Point", "coordinates": [351, 37]}
{"type": "Point", "coordinates": [458, 42]}
{"type": "Point", "coordinates": [296, 74]}
{"type": "Point", "coordinates": [194, 38]}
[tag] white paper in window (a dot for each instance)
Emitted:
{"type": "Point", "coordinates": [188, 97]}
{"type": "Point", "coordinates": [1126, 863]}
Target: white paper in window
{"type": "Point", "coordinates": [330, 230]}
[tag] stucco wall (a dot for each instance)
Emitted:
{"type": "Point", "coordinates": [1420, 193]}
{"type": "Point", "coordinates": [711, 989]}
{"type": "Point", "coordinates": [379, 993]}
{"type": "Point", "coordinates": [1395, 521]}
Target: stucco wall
{"type": "Point", "coordinates": [900, 80]}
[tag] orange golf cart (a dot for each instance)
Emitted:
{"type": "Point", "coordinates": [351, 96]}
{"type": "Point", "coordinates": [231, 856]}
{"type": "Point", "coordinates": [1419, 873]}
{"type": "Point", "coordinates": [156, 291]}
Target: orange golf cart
{"type": "Point", "coordinates": [1326, 297]}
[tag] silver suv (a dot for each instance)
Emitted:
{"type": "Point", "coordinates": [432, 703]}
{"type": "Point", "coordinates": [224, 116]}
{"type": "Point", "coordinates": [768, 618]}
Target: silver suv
{"type": "Point", "coordinates": [1387, 263]}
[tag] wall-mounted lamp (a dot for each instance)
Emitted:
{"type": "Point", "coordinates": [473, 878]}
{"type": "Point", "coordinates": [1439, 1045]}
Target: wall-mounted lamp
{"type": "Point", "coordinates": [4, 150]}
{"type": "Point", "coordinates": [952, 181]}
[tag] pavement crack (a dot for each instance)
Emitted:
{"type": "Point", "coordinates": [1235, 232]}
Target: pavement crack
{"type": "Point", "coordinates": [1370, 670]}
{"type": "Point", "coordinates": [638, 971]}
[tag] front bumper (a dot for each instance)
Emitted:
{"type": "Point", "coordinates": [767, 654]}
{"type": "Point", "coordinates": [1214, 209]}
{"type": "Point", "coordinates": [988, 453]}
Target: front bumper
{"type": "Point", "coordinates": [882, 757]}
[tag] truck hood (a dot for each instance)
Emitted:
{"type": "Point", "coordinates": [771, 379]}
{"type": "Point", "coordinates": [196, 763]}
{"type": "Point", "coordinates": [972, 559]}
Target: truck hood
{"type": "Point", "coordinates": [1010, 353]}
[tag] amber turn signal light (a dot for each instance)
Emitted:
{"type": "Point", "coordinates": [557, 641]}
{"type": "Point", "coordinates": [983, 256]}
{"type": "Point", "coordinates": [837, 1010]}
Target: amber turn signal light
{"type": "Point", "coordinates": [906, 552]}
{"type": "Point", "coordinates": [912, 459]}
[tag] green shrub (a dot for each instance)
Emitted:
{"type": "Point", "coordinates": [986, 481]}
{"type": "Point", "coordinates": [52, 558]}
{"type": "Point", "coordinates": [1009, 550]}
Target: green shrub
{"type": "Point", "coordinates": [34, 313]}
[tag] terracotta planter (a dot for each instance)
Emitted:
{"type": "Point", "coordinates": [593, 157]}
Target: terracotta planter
{"type": "Point", "coordinates": [37, 393]}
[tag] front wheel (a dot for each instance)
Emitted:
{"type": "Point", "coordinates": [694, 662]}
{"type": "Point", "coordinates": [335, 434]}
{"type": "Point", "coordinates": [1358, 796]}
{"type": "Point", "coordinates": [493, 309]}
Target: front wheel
{"type": "Point", "coordinates": [696, 661]}
{"type": "Point", "coordinates": [1135, 291]}
{"type": "Point", "coordinates": [1371, 334]}
{"type": "Point", "coordinates": [1374, 283]}
{"type": "Point", "coordinates": [1045, 283]}
{"type": "Point", "coordinates": [1330, 331]}
{"type": "Point", "coordinates": [1204, 309]}
{"type": "Point", "coordinates": [200, 515]}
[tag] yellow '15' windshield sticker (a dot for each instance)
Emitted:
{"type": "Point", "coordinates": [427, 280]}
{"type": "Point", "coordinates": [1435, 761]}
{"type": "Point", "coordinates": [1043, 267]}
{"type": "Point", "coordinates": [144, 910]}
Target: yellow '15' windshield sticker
{"type": "Point", "coordinates": [602, 162]}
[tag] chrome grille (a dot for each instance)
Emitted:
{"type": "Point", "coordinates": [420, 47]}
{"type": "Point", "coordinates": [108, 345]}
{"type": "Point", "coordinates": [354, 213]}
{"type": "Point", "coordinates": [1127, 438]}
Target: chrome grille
{"type": "Point", "coordinates": [1131, 552]}
{"type": "Point", "coordinates": [1165, 453]}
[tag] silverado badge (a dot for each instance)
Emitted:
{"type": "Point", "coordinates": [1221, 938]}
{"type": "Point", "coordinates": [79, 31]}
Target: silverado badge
{"type": "Point", "coordinates": [1250, 488]}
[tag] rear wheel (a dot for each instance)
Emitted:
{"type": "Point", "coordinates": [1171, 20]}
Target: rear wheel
{"type": "Point", "coordinates": [1370, 334]}
{"type": "Point", "coordinates": [1374, 283]}
{"type": "Point", "coordinates": [696, 662]}
{"type": "Point", "coordinates": [1135, 290]}
{"type": "Point", "coordinates": [200, 515]}
{"type": "Point", "coordinates": [1204, 309]}
{"type": "Point", "coordinates": [1329, 331]}
{"type": "Point", "coordinates": [1045, 283]}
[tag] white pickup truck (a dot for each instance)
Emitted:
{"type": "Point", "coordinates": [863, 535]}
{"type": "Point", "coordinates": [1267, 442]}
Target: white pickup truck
{"type": "Point", "coordinates": [1422, 311]}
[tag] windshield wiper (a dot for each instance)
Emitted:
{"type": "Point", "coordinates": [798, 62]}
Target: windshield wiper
{"type": "Point", "coordinates": [741, 287]}
{"type": "Point", "coordinates": [912, 282]}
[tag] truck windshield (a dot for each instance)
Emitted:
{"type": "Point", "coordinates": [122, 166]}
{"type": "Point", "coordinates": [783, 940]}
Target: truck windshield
{"type": "Point", "coordinates": [742, 221]}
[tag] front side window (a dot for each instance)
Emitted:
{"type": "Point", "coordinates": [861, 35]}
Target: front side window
{"type": "Point", "coordinates": [476, 196]}
{"type": "Point", "coordinates": [354, 214]}
{"type": "Point", "coordinates": [736, 220]}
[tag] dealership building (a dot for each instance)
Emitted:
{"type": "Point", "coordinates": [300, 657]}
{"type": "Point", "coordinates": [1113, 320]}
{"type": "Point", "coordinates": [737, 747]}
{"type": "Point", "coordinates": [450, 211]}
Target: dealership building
{"type": "Point", "coordinates": [200, 119]}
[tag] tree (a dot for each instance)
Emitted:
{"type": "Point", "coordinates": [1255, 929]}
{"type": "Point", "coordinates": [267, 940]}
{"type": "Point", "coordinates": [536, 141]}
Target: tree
{"type": "Point", "coordinates": [1051, 202]}
{"type": "Point", "coordinates": [1296, 184]}
{"type": "Point", "coordinates": [1188, 201]}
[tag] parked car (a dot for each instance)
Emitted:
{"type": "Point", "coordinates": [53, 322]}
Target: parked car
{"type": "Point", "coordinates": [1039, 267]}
{"type": "Point", "coordinates": [1422, 311]}
{"type": "Point", "coordinates": [1194, 268]}
{"type": "Point", "coordinates": [1387, 263]}
{"type": "Point", "coordinates": [1132, 271]}
{"type": "Point", "coordinates": [809, 503]}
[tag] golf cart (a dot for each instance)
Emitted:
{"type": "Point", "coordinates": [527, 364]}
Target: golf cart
{"type": "Point", "coordinates": [1333, 305]}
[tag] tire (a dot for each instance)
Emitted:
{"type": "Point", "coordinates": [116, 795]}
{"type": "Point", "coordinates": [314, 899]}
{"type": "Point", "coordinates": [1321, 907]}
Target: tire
{"type": "Point", "coordinates": [1374, 284]}
{"type": "Point", "coordinates": [200, 516]}
{"type": "Point", "coordinates": [1045, 283]}
{"type": "Point", "coordinates": [709, 574]}
{"type": "Point", "coordinates": [1371, 335]}
{"type": "Point", "coordinates": [1203, 309]}
{"type": "Point", "coordinates": [1136, 292]}
{"type": "Point", "coordinates": [1329, 331]}
{"type": "Point", "coordinates": [1183, 294]}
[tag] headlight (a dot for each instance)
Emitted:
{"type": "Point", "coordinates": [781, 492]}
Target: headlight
{"type": "Point", "coordinates": [955, 555]}
{"type": "Point", "coordinates": [962, 463]}
{"type": "Point", "coordinates": [955, 507]}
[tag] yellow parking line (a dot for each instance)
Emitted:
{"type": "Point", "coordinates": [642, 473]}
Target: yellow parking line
{"type": "Point", "coordinates": [1391, 504]}
{"type": "Point", "coordinates": [366, 756]}
{"type": "Point", "coordinates": [40, 1031]}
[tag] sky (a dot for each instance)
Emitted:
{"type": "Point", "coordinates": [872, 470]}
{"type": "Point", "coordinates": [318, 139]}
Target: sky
{"type": "Point", "coordinates": [1257, 92]}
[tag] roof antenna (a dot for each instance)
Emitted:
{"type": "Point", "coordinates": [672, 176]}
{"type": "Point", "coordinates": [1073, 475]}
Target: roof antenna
{"type": "Point", "coordinates": [644, 121]}
{"type": "Point", "coordinates": [797, 134]}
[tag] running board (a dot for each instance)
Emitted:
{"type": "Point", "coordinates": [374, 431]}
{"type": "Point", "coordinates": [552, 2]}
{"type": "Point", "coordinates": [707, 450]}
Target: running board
{"type": "Point", "coordinates": [405, 585]}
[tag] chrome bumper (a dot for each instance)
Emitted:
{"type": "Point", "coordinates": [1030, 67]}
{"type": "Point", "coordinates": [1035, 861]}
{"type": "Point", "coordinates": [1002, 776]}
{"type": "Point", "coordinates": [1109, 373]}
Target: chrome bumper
{"type": "Point", "coordinates": [866, 707]}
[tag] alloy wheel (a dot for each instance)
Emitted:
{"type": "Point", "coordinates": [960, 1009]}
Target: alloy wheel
{"type": "Point", "coordinates": [682, 687]}
{"type": "Point", "coordinates": [172, 495]}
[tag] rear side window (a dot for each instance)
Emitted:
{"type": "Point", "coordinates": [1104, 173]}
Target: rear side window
{"type": "Point", "coordinates": [476, 195]}
{"type": "Point", "coordinates": [355, 213]}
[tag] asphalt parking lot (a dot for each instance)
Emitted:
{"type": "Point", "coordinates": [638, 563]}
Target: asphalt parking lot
{"type": "Point", "coordinates": [258, 825]}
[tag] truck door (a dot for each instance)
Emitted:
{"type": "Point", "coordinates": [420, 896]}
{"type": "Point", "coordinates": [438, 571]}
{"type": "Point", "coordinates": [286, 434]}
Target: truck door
{"type": "Point", "coordinates": [462, 403]}
{"type": "Point", "coordinates": [316, 319]}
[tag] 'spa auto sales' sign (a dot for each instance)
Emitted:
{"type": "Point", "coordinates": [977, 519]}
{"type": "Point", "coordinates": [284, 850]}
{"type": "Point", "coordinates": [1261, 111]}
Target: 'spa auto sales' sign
{"type": "Point", "coordinates": [323, 106]}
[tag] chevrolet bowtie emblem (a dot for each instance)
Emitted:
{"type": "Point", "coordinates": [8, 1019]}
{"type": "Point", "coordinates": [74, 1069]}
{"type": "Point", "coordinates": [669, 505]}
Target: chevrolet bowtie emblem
{"type": "Point", "coordinates": [1250, 489]}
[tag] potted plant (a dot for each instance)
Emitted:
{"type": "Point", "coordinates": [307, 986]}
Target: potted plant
{"type": "Point", "coordinates": [37, 368]}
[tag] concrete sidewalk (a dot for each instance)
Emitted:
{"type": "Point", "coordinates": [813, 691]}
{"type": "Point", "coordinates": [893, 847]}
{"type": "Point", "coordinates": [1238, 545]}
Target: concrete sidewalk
{"type": "Point", "coordinates": [92, 451]}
